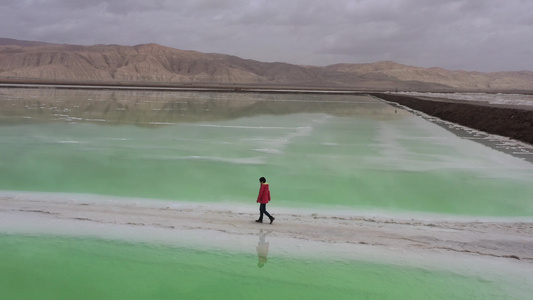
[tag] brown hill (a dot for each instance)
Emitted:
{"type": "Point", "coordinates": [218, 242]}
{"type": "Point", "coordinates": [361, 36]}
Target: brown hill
{"type": "Point", "coordinates": [151, 63]}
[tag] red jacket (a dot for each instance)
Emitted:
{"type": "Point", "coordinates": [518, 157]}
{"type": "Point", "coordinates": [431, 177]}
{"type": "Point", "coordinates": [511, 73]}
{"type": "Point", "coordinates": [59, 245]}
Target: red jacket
{"type": "Point", "coordinates": [264, 194]}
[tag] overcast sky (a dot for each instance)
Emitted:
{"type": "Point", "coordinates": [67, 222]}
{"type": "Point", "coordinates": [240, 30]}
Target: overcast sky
{"type": "Point", "coordinates": [472, 35]}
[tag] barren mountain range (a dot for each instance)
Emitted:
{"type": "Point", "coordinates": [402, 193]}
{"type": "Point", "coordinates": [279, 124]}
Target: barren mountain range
{"type": "Point", "coordinates": [147, 64]}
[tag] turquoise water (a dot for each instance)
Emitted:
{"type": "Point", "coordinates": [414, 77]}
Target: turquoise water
{"type": "Point", "coordinates": [69, 268]}
{"type": "Point", "coordinates": [315, 150]}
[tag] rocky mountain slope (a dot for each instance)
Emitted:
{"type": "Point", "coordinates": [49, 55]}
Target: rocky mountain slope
{"type": "Point", "coordinates": [152, 63]}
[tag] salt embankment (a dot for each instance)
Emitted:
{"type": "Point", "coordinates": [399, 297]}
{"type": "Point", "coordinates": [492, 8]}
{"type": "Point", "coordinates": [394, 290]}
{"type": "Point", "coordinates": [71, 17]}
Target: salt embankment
{"type": "Point", "coordinates": [515, 122]}
{"type": "Point", "coordinates": [64, 214]}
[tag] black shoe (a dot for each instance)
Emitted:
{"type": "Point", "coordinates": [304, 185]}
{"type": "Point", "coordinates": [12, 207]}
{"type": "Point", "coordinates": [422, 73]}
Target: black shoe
{"type": "Point", "coordinates": [260, 221]}
{"type": "Point", "coordinates": [272, 220]}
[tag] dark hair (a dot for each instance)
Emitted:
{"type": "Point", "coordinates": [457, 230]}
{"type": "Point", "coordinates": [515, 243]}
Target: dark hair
{"type": "Point", "coordinates": [262, 179]}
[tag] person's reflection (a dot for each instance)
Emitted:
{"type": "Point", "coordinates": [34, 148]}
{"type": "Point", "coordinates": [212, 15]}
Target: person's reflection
{"type": "Point", "coordinates": [262, 249]}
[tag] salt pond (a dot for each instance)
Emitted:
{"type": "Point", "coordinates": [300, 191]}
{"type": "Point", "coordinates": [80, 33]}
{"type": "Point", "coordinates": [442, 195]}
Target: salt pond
{"type": "Point", "coordinates": [334, 154]}
{"type": "Point", "coordinates": [67, 268]}
{"type": "Point", "coordinates": [315, 150]}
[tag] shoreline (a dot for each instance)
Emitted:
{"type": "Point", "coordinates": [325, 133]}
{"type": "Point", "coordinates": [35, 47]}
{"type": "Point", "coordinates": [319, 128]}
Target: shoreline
{"type": "Point", "coordinates": [508, 239]}
{"type": "Point", "coordinates": [508, 121]}
{"type": "Point", "coordinates": [224, 87]}
{"type": "Point", "coordinates": [229, 88]}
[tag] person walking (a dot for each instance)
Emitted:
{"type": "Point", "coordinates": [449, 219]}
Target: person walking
{"type": "Point", "coordinates": [263, 198]}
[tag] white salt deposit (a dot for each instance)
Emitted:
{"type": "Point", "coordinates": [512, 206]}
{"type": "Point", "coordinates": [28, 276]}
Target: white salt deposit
{"type": "Point", "coordinates": [506, 99]}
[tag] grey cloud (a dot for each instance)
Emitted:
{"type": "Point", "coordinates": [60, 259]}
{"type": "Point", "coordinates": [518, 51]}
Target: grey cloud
{"type": "Point", "coordinates": [485, 35]}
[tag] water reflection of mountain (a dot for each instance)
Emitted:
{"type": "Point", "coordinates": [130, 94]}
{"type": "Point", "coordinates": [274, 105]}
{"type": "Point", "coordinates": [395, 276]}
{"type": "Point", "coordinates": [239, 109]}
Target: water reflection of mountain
{"type": "Point", "coordinates": [154, 107]}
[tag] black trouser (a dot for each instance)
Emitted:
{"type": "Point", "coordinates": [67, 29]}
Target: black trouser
{"type": "Point", "coordinates": [263, 210]}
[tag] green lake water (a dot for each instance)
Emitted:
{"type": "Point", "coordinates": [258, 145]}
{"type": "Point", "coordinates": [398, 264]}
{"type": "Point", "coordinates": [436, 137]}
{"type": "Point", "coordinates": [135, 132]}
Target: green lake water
{"type": "Point", "coordinates": [347, 152]}
{"type": "Point", "coordinates": [315, 150]}
{"type": "Point", "coordinates": [69, 268]}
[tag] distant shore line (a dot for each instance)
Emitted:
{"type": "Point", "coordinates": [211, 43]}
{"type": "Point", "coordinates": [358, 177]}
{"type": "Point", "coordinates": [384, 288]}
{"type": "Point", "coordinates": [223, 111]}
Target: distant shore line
{"type": "Point", "coordinates": [181, 87]}
{"type": "Point", "coordinates": [222, 87]}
